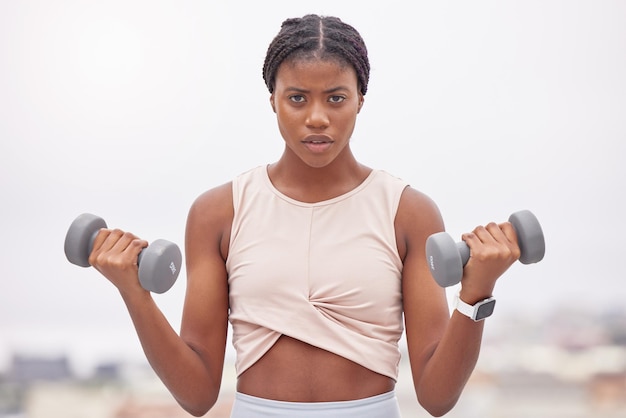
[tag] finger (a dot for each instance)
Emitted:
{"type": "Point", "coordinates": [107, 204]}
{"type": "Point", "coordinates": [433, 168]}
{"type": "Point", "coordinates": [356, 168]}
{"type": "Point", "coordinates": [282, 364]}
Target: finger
{"type": "Point", "coordinates": [508, 231]}
{"type": "Point", "coordinates": [114, 242]}
{"type": "Point", "coordinates": [484, 233]}
{"type": "Point", "coordinates": [105, 240]}
{"type": "Point", "coordinates": [503, 233]}
{"type": "Point", "coordinates": [489, 242]}
{"type": "Point", "coordinates": [134, 247]}
{"type": "Point", "coordinates": [496, 233]}
{"type": "Point", "coordinates": [499, 236]}
{"type": "Point", "coordinates": [127, 248]}
{"type": "Point", "coordinates": [102, 236]}
{"type": "Point", "coordinates": [110, 240]}
{"type": "Point", "coordinates": [124, 239]}
{"type": "Point", "coordinates": [470, 239]}
{"type": "Point", "coordinates": [479, 236]}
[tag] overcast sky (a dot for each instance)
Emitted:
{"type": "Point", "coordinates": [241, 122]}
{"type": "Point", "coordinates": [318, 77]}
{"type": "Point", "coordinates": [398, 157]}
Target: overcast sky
{"type": "Point", "coordinates": [131, 109]}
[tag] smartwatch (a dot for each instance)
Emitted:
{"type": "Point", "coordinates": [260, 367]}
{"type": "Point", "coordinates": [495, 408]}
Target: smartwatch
{"type": "Point", "coordinates": [477, 312]}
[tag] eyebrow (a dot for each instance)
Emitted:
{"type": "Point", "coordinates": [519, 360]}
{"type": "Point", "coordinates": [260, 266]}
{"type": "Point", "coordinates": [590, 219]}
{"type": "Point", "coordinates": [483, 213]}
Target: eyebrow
{"type": "Point", "coordinates": [331, 90]}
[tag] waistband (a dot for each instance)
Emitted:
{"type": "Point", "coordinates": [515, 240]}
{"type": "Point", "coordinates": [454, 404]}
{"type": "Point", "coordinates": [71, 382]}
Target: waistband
{"type": "Point", "coordinates": [379, 406]}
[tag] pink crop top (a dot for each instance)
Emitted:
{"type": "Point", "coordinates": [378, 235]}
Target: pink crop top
{"type": "Point", "coordinates": [325, 273]}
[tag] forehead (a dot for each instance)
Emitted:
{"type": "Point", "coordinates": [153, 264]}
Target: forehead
{"type": "Point", "coordinates": [328, 72]}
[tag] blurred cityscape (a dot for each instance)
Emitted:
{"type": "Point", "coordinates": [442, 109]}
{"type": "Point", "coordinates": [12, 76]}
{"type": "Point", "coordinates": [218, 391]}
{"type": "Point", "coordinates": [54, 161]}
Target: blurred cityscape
{"type": "Point", "coordinates": [570, 364]}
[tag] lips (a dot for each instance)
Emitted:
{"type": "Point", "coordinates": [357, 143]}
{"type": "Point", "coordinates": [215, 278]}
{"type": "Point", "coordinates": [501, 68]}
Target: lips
{"type": "Point", "coordinates": [317, 139]}
{"type": "Point", "coordinates": [317, 143]}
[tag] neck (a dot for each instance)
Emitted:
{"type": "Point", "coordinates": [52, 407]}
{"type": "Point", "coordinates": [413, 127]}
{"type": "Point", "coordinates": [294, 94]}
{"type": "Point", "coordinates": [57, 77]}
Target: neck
{"type": "Point", "coordinates": [315, 184]}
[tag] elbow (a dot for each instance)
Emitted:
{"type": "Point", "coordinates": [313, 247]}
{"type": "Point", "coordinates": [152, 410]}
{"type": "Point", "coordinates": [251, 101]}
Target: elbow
{"type": "Point", "coordinates": [196, 412]}
{"type": "Point", "coordinates": [437, 410]}
{"type": "Point", "coordinates": [437, 406]}
{"type": "Point", "coordinates": [198, 408]}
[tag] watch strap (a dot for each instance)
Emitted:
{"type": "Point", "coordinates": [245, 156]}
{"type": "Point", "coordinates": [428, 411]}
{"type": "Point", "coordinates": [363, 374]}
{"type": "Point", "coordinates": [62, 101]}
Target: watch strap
{"type": "Point", "coordinates": [472, 311]}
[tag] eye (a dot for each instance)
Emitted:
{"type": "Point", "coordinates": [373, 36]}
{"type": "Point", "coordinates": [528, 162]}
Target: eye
{"type": "Point", "coordinates": [336, 99]}
{"type": "Point", "coordinates": [297, 98]}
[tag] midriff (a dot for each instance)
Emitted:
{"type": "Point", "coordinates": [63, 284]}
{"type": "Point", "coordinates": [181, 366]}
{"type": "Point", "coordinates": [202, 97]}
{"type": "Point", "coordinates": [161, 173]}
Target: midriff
{"type": "Point", "coordinates": [295, 371]}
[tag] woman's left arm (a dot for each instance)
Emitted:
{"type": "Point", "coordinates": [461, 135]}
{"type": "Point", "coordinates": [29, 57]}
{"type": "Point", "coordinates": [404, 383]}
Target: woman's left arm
{"type": "Point", "coordinates": [443, 348]}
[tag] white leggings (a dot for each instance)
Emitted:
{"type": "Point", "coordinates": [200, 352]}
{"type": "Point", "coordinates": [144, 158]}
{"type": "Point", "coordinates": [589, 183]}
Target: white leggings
{"type": "Point", "coordinates": [379, 406]}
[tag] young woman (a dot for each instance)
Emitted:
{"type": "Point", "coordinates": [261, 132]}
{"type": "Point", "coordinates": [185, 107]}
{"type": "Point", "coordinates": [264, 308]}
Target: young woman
{"type": "Point", "coordinates": [317, 261]}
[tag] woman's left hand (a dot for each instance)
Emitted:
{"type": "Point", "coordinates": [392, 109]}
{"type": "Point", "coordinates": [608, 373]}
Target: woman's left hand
{"type": "Point", "coordinates": [493, 249]}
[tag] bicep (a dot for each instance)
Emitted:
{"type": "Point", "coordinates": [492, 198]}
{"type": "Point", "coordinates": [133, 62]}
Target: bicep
{"type": "Point", "coordinates": [205, 314]}
{"type": "Point", "coordinates": [426, 310]}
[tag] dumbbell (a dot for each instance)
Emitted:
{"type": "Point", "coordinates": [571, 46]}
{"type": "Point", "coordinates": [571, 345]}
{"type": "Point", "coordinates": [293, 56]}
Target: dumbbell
{"type": "Point", "coordinates": [446, 258]}
{"type": "Point", "coordinates": [159, 263]}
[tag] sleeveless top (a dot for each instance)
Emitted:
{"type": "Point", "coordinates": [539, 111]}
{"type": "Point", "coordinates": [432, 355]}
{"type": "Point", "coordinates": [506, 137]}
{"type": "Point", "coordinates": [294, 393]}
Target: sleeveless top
{"type": "Point", "coordinates": [325, 273]}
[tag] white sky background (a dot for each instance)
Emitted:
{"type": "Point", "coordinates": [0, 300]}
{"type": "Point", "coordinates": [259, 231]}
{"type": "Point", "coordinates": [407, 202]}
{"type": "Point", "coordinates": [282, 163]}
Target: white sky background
{"type": "Point", "coordinates": [130, 110]}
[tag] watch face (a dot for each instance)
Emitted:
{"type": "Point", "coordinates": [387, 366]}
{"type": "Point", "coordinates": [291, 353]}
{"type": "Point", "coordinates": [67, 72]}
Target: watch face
{"type": "Point", "coordinates": [485, 310]}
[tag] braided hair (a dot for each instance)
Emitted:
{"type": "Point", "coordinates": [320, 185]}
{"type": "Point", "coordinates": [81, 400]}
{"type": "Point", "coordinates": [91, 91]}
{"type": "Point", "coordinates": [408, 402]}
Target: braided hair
{"type": "Point", "coordinates": [322, 37]}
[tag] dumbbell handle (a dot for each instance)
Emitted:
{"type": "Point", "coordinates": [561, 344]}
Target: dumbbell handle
{"type": "Point", "coordinates": [464, 252]}
{"type": "Point", "coordinates": [93, 239]}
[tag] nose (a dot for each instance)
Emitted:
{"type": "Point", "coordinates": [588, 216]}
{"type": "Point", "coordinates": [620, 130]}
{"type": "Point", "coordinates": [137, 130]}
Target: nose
{"type": "Point", "coordinates": [317, 117]}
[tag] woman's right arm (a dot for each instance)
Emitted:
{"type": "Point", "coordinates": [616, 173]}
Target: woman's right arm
{"type": "Point", "coordinates": [190, 364]}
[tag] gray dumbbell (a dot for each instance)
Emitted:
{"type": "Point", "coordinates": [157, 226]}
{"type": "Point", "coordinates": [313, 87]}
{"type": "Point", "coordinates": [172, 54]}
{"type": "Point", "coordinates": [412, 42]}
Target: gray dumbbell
{"type": "Point", "coordinates": [446, 258]}
{"type": "Point", "coordinates": [159, 263]}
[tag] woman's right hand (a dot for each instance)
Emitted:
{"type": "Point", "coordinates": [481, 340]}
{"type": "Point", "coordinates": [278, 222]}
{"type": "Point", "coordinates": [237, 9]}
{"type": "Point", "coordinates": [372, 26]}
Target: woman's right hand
{"type": "Point", "coordinates": [115, 254]}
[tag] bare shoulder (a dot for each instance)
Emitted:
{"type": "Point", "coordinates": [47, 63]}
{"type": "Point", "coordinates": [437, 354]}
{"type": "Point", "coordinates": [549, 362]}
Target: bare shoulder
{"type": "Point", "coordinates": [418, 217]}
{"type": "Point", "coordinates": [215, 202]}
{"type": "Point", "coordinates": [210, 219]}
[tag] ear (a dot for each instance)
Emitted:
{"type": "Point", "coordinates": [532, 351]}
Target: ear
{"type": "Point", "coordinates": [361, 100]}
{"type": "Point", "coordinates": [272, 102]}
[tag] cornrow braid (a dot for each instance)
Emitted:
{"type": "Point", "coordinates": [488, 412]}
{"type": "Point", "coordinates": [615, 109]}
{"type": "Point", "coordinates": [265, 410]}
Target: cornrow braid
{"type": "Point", "coordinates": [321, 37]}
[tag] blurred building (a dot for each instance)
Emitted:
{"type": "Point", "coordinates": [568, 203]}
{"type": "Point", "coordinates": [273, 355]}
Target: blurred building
{"type": "Point", "coordinates": [26, 370]}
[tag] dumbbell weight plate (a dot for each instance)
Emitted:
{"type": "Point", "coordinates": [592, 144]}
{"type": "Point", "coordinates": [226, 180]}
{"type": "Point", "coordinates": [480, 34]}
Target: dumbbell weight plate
{"type": "Point", "coordinates": [80, 236]}
{"type": "Point", "coordinates": [159, 265]}
{"type": "Point", "coordinates": [529, 236]}
{"type": "Point", "coordinates": [446, 258]}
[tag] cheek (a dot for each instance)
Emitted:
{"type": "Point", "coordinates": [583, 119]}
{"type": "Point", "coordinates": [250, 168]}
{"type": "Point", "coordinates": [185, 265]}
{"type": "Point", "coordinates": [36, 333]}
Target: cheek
{"type": "Point", "coordinates": [286, 116]}
{"type": "Point", "coordinates": [286, 124]}
{"type": "Point", "coordinates": [348, 119]}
